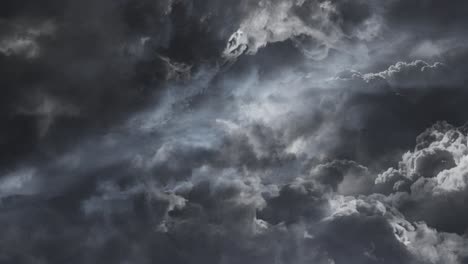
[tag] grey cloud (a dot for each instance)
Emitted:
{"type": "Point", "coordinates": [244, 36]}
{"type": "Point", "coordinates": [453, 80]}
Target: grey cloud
{"type": "Point", "coordinates": [139, 131]}
{"type": "Point", "coordinates": [316, 27]}
{"type": "Point", "coordinates": [437, 247]}
{"type": "Point", "coordinates": [22, 38]}
{"type": "Point", "coordinates": [392, 180]}
{"type": "Point", "coordinates": [217, 214]}
{"type": "Point", "coordinates": [414, 242]}
{"type": "Point", "coordinates": [434, 172]}
{"type": "Point", "coordinates": [345, 177]}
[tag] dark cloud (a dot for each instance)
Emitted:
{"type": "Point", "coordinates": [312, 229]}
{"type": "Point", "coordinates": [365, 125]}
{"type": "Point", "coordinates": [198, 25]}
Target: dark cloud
{"type": "Point", "coordinates": [286, 131]}
{"type": "Point", "coordinates": [420, 14]}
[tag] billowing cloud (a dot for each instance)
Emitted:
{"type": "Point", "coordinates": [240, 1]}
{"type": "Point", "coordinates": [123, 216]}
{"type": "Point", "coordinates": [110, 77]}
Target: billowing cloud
{"type": "Point", "coordinates": [434, 178]}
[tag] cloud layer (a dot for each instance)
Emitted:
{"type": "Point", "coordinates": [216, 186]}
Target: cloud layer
{"type": "Point", "coordinates": [285, 131]}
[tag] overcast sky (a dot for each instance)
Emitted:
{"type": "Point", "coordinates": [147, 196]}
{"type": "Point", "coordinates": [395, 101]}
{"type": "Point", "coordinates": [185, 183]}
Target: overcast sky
{"type": "Point", "coordinates": [233, 131]}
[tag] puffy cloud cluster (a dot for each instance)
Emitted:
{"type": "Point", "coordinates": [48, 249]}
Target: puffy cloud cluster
{"type": "Point", "coordinates": [430, 183]}
{"type": "Point", "coordinates": [205, 204]}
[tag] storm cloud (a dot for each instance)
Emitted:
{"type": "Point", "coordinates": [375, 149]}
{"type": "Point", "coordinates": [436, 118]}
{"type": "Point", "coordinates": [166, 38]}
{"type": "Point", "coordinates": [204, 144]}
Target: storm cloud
{"type": "Point", "coordinates": [285, 131]}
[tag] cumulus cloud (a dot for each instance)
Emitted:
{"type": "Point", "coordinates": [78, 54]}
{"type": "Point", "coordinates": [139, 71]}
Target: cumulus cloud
{"type": "Point", "coordinates": [434, 178]}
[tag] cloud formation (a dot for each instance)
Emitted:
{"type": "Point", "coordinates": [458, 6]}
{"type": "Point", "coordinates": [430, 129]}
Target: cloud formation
{"type": "Point", "coordinates": [285, 131]}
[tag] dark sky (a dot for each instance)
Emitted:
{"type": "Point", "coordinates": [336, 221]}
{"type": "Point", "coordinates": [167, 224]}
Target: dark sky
{"type": "Point", "coordinates": [233, 131]}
